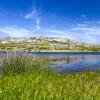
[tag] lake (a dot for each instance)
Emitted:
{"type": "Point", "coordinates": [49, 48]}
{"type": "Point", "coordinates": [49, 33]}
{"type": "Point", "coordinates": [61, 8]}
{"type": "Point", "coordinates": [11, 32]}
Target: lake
{"type": "Point", "coordinates": [71, 62]}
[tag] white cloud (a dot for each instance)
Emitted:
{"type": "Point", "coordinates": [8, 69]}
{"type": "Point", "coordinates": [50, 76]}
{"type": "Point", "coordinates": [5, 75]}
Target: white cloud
{"type": "Point", "coordinates": [34, 15]}
{"type": "Point", "coordinates": [37, 24]}
{"type": "Point", "coordinates": [58, 33]}
{"type": "Point", "coordinates": [90, 30]}
{"type": "Point", "coordinates": [85, 32]}
{"type": "Point", "coordinates": [82, 32]}
{"type": "Point", "coordinates": [16, 31]}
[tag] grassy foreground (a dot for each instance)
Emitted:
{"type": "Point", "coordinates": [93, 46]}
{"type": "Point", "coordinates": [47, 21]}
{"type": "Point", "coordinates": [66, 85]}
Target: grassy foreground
{"type": "Point", "coordinates": [36, 82]}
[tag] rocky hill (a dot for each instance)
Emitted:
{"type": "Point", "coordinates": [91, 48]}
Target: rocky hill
{"type": "Point", "coordinates": [46, 43]}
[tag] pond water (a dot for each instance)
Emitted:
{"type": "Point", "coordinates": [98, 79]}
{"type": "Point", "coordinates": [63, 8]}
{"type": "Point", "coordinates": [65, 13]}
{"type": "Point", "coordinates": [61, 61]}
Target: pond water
{"type": "Point", "coordinates": [71, 62]}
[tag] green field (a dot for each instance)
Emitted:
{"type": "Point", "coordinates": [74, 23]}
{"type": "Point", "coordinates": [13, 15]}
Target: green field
{"type": "Point", "coordinates": [35, 81]}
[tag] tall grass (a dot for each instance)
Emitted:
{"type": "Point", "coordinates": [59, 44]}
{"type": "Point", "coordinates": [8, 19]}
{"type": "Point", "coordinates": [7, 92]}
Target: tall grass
{"type": "Point", "coordinates": [24, 77]}
{"type": "Point", "coordinates": [16, 63]}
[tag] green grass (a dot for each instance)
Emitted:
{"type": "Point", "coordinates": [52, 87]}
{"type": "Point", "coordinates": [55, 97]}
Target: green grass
{"type": "Point", "coordinates": [37, 82]}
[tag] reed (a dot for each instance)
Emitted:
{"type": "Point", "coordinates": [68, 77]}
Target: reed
{"type": "Point", "coordinates": [16, 62]}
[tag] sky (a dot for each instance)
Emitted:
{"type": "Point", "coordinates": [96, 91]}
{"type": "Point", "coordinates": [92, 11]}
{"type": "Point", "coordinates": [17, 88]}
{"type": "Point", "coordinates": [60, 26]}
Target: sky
{"type": "Point", "coordinates": [74, 19]}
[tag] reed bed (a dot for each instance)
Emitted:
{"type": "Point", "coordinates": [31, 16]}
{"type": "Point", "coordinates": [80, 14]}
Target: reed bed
{"type": "Point", "coordinates": [17, 63]}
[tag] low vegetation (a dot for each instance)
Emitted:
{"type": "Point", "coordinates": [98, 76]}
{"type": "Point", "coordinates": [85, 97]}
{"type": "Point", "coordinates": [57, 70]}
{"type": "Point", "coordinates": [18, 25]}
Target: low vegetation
{"type": "Point", "coordinates": [24, 77]}
{"type": "Point", "coordinates": [46, 44]}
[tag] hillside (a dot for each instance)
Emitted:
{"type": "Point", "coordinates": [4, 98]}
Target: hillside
{"type": "Point", "coordinates": [45, 44]}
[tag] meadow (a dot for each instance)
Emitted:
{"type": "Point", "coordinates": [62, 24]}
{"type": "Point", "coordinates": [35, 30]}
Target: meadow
{"type": "Point", "coordinates": [24, 77]}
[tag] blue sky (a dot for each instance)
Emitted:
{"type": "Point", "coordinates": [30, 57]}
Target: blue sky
{"type": "Point", "coordinates": [75, 19]}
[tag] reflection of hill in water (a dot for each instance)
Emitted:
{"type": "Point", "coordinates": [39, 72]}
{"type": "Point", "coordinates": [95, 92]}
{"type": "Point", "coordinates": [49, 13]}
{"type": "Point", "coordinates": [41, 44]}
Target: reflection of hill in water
{"type": "Point", "coordinates": [72, 59]}
{"type": "Point", "coordinates": [67, 62]}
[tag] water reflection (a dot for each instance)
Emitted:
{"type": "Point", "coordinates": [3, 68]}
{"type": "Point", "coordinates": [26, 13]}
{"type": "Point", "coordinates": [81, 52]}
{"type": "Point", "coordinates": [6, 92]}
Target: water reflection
{"type": "Point", "coordinates": [76, 63]}
{"type": "Point", "coordinates": [68, 62]}
{"type": "Point", "coordinates": [71, 62]}
{"type": "Point", "coordinates": [72, 59]}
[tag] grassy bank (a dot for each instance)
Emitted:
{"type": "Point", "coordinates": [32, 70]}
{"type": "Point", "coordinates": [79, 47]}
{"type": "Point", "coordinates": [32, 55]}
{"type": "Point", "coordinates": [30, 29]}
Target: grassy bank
{"type": "Point", "coordinates": [24, 77]}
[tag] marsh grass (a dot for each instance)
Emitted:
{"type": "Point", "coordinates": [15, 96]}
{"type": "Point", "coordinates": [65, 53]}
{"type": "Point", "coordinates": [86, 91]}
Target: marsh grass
{"type": "Point", "coordinates": [17, 63]}
{"type": "Point", "coordinates": [24, 77]}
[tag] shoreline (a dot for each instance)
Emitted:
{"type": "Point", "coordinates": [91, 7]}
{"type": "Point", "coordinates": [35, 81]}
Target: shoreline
{"type": "Point", "coordinates": [56, 51]}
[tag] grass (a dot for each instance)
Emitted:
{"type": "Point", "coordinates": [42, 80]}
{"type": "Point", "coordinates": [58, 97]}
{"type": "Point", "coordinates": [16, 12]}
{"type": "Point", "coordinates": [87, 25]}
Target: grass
{"type": "Point", "coordinates": [34, 81]}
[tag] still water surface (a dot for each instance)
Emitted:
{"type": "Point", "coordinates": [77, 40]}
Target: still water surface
{"type": "Point", "coordinates": [71, 62]}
